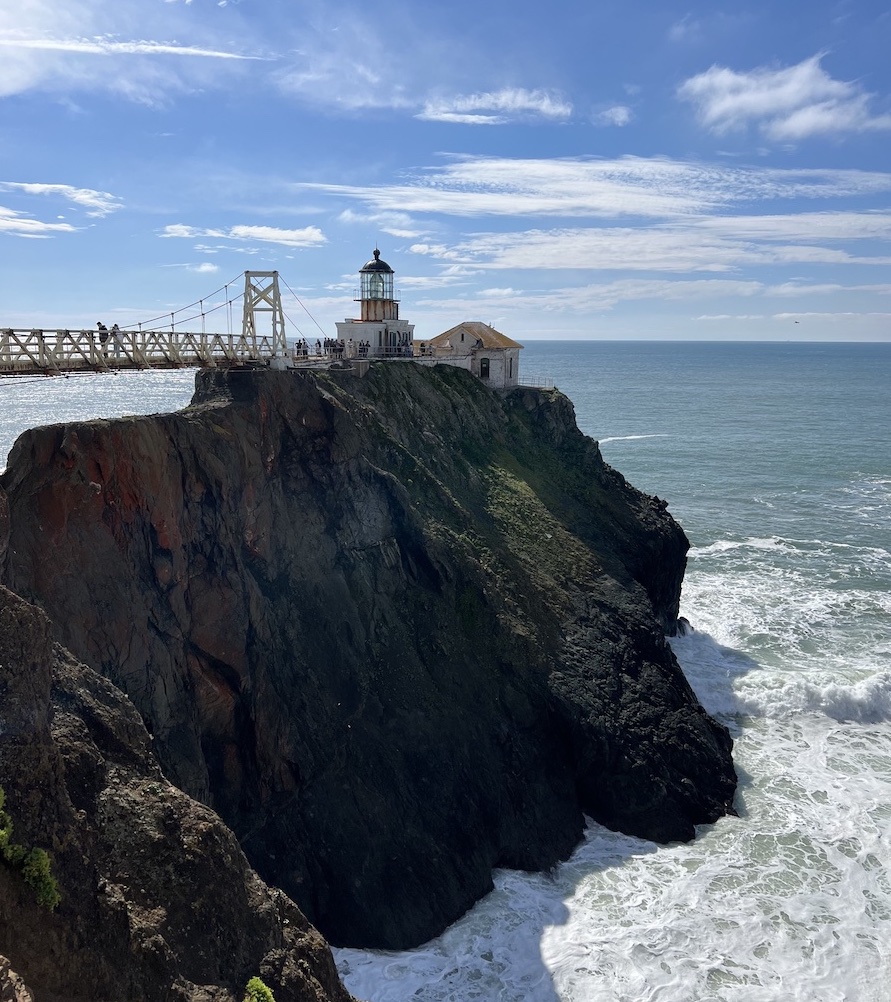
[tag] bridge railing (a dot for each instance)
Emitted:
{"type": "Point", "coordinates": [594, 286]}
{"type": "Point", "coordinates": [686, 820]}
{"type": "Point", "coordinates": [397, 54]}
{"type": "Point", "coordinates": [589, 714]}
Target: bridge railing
{"type": "Point", "coordinates": [47, 351]}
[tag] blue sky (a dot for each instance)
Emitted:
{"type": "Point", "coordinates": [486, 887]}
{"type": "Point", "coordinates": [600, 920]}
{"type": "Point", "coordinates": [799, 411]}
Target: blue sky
{"type": "Point", "coordinates": [565, 170]}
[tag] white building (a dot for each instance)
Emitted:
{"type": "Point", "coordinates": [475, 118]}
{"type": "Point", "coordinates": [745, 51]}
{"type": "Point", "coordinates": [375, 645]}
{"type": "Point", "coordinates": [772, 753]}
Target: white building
{"type": "Point", "coordinates": [484, 351]}
{"type": "Point", "coordinates": [378, 325]}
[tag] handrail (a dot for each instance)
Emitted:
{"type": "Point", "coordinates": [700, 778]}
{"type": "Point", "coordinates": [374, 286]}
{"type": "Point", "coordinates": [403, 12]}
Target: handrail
{"type": "Point", "coordinates": [52, 352]}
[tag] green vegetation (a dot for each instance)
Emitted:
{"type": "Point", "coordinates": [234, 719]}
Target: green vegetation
{"type": "Point", "coordinates": [256, 991]}
{"type": "Point", "coordinates": [33, 864]}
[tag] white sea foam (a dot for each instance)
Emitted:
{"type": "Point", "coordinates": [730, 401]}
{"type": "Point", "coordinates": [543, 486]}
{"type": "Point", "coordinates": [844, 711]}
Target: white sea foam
{"type": "Point", "coordinates": [630, 438]}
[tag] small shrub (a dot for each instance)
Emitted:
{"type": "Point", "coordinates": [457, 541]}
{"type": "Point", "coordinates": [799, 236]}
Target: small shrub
{"type": "Point", "coordinates": [36, 871]}
{"type": "Point", "coordinates": [257, 991]}
{"type": "Point", "coordinates": [34, 864]}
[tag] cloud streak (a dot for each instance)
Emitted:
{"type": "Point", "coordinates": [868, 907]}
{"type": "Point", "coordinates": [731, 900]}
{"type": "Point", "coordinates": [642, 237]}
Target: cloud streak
{"type": "Point", "coordinates": [97, 203]}
{"type": "Point", "coordinates": [497, 107]}
{"type": "Point", "coordinates": [308, 236]}
{"type": "Point", "coordinates": [18, 224]}
{"type": "Point", "coordinates": [672, 248]}
{"type": "Point", "coordinates": [654, 188]}
{"type": "Point", "coordinates": [106, 46]}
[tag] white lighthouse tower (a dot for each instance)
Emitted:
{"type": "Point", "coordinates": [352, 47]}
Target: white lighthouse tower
{"type": "Point", "coordinates": [378, 326]}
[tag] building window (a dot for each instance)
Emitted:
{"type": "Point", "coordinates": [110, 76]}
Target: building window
{"type": "Point", "coordinates": [484, 368]}
{"type": "Point", "coordinates": [510, 368]}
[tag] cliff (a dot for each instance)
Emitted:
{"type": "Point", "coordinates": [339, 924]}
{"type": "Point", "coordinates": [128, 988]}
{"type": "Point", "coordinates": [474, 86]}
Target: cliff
{"type": "Point", "coordinates": [158, 903]}
{"type": "Point", "coordinates": [397, 630]}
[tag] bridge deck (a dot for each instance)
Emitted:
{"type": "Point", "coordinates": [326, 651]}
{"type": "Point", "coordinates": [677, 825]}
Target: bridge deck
{"type": "Point", "coordinates": [50, 353]}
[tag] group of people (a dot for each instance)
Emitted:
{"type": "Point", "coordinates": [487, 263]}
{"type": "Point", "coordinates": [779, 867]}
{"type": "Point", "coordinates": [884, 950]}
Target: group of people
{"type": "Point", "coordinates": [332, 347]}
{"type": "Point", "coordinates": [105, 334]}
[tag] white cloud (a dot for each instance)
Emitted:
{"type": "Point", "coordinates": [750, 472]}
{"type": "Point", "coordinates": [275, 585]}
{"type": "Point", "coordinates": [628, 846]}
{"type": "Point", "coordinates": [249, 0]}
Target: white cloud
{"type": "Point", "coordinates": [109, 47]}
{"type": "Point", "coordinates": [308, 236]}
{"type": "Point", "coordinates": [497, 107]}
{"type": "Point", "coordinates": [791, 289]}
{"type": "Point", "coordinates": [600, 296]}
{"type": "Point", "coordinates": [18, 224]}
{"type": "Point", "coordinates": [588, 187]}
{"type": "Point", "coordinates": [731, 316]}
{"type": "Point", "coordinates": [674, 247]}
{"type": "Point", "coordinates": [790, 103]}
{"type": "Point", "coordinates": [97, 203]}
{"type": "Point", "coordinates": [143, 52]}
{"type": "Point", "coordinates": [810, 226]}
{"type": "Point", "coordinates": [396, 224]}
{"type": "Point", "coordinates": [617, 115]}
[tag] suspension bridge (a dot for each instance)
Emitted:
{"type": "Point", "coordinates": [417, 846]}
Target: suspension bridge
{"type": "Point", "coordinates": [166, 342]}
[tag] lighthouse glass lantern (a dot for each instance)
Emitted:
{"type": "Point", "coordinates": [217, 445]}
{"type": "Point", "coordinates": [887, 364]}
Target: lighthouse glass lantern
{"type": "Point", "coordinates": [376, 290]}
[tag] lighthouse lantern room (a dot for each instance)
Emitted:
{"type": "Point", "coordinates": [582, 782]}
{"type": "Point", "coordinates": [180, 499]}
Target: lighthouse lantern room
{"type": "Point", "coordinates": [378, 327]}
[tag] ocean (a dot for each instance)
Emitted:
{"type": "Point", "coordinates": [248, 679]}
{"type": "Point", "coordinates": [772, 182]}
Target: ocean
{"type": "Point", "coordinates": [776, 459]}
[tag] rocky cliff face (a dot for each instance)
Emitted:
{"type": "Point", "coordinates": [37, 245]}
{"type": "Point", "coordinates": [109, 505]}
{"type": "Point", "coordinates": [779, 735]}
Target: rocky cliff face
{"type": "Point", "coordinates": [396, 630]}
{"type": "Point", "coordinates": [157, 900]}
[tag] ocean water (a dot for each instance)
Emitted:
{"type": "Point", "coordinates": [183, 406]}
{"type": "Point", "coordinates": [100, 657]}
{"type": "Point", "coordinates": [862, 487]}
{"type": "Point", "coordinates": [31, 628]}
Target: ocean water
{"type": "Point", "coordinates": [776, 460]}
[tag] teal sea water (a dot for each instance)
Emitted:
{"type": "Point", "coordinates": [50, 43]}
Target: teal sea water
{"type": "Point", "coordinates": [776, 460]}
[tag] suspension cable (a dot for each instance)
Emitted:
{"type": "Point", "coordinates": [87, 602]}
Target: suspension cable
{"type": "Point", "coordinates": [165, 316]}
{"type": "Point", "coordinates": [305, 310]}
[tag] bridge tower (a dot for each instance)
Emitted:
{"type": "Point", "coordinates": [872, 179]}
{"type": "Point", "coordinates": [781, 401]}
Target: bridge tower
{"type": "Point", "coordinates": [261, 295]}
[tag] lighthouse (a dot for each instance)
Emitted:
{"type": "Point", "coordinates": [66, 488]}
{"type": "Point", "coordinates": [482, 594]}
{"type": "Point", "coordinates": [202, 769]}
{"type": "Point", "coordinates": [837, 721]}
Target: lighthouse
{"type": "Point", "coordinates": [378, 325]}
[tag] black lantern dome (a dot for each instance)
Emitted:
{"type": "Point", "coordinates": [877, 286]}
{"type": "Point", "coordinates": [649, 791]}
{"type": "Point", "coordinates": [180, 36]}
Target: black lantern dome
{"type": "Point", "coordinates": [375, 264]}
{"type": "Point", "coordinates": [376, 285]}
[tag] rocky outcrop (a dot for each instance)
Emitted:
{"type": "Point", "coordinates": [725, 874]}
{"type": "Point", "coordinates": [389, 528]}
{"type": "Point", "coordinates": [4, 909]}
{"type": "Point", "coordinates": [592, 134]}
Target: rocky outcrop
{"type": "Point", "coordinates": [157, 900]}
{"type": "Point", "coordinates": [397, 630]}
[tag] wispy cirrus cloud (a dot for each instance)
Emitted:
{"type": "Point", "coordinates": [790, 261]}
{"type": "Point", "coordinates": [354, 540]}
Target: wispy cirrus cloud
{"type": "Point", "coordinates": [108, 46]}
{"type": "Point", "coordinates": [396, 224]}
{"type": "Point", "coordinates": [308, 236]}
{"type": "Point", "coordinates": [97, 203]}
{"type": "Point", "coordinates": [201, 268]}
{"type": "Point", "coordinates": [585, 186]}
{"type": "Point", "coordinates": [671, 248]}
{"type": "Point", "coordinates": [785, 103]}
{"type": "Point", "coordinates": [599, 296]}
{"type": "Point", "coordinates": [142, 52]}
{"type": "Point", "coordinates": [497, 107]}
{"type": "Point", "coordinates": [19, 224]}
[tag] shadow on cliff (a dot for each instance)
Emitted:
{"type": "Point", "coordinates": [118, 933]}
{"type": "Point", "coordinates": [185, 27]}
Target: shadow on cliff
{"type": "Point", "coordinates": [514, 941]}
{"type": "Point", "coordinates": [396, 630]}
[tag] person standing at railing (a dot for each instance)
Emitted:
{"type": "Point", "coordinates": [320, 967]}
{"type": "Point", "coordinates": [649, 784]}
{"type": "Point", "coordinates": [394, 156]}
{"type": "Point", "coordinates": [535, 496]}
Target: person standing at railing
{"type": "Point", "coordinates": [116, 338]}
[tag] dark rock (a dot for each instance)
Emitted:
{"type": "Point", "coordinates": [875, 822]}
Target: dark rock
{"type": "Point", "coordinates": [157, 900]}
{"type": "Point", "coordinates": [396, 630]}
{"type": "Point", "coordinates": [4, 522]}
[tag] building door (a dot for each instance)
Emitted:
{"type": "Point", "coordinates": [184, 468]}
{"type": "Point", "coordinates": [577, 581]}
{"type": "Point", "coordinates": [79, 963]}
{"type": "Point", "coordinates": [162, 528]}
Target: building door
{"type": "Point", "coordinates": [484, 368]}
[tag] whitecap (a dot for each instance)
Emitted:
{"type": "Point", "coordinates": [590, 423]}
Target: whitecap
{"type": "Point", "coordinates": [629, 438]}
{"type": "Point", "coordinates": [867, 701]}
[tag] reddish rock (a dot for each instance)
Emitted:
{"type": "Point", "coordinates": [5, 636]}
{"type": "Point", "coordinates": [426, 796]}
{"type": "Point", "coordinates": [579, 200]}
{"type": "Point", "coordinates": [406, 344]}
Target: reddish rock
{"type": "Point", "coordinates": [158, 903]}
{"type": "Point", "coordinates": [397, 630]}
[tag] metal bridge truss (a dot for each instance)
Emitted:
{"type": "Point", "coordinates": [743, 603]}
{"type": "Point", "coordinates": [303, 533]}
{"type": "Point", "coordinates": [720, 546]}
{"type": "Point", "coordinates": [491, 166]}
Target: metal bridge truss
{"type": "Point", "coordinates": [55, 352]}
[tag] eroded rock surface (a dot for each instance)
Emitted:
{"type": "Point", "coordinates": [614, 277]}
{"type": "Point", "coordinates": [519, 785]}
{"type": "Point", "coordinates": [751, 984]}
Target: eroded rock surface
{"type": "Point", "coordinates": [396, 630]}
{"type": "Point", "coordinates": [158, 903]}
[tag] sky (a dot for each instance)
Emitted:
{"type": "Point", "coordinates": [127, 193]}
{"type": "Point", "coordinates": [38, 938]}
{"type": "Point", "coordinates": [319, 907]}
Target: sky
{"type": "Point", "coordinates": [568, 170]}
